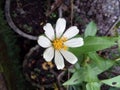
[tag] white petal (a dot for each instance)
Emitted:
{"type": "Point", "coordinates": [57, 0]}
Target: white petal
{"type": "Point", "coordinates": [48, 54]}
{"type": "Point", "coordinates": [60, 27]}
{"type": "Point", "coordinates": [71, 58]}
{"type": "Point", "coordinates": [71, 32]}
{"type": "Point", "coordinates": [59, 61]}
{"type": "Point", "coordinates": [75, 42]}
{"type": "Point", "coordinates": [49, 31]}
{"type": "Point", "coordinates": [44, 42]}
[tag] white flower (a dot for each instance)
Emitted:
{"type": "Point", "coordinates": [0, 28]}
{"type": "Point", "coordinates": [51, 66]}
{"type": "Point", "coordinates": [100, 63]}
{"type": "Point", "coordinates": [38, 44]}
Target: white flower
{"type": "Point", "coordinates": [57, 42]}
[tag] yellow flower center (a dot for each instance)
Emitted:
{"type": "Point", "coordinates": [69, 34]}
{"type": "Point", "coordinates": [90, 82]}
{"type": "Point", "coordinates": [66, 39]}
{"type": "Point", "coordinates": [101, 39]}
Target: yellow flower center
{"type": "Point", "coordinates": [58, 43]}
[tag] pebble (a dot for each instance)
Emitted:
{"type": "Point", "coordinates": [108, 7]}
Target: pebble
{"type": "Point", "coordinates": [103, 12]}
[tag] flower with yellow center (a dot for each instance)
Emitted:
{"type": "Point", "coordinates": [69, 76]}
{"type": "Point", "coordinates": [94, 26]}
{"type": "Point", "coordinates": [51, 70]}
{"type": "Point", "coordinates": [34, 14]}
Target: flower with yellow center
{"type": "Point", "coordinates": [58, 41]}
{"type": "Point", "coordinates": [59, 44]}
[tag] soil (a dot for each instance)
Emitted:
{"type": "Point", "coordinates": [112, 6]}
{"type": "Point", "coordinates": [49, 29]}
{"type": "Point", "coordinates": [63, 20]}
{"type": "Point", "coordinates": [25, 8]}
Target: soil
{"type": "Point", "coordinates": [39, 72]}
{"type": "Point", "coordinates": [29, 15]}
{"type": "Point", "coordinates": [35, 71]}
{"type": "Point", "coordinates": [103, 12]}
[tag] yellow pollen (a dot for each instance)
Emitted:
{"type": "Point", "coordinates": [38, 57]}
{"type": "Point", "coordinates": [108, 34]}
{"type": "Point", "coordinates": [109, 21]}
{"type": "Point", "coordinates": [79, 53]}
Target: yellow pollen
{"type": "Point", "coordinates": [58, 44]}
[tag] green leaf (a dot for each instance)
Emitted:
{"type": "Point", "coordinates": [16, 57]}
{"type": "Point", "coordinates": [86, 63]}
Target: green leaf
{"type": "Point", "coordinates": [76, 78]}
{"type": "Point", "coordinates": [90, 75]}
{"type": "Point", "coordinates": [92, 44]}
{"type": "Point", "coordinates": [86, 74]}
{"type": "Point", "coordinates": [93, 86]}
{"type": "Point", "coordinates": [91, 29]}
{"type": "Point", "coordinates": [114, 82]}
{"type": "Point", "coordinates": [100, 64]}
{"type": "Point", "coordinates": [112, 88]}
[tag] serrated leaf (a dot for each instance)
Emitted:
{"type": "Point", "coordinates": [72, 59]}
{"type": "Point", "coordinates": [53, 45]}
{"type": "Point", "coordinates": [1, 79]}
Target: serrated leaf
{"type": "Point", "coordinates": [114, 82]}
{"type": "Point", "coordinates": [93, 86]}
{"type": "Point", "coordinates": [92, 44]}
{"type": "Point", "coordinates": [91, 29]}
{"type": "Point", "coordinates": [100, 63]}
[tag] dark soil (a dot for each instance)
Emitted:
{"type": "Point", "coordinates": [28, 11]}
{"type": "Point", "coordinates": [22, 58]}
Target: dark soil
{"type": "Point", "coordinates": [29, 15]}
{"type": "Point", "coordinates": [34, 70]}
{"type": "Point", "coordinates": [37, 71]}
{"type": "Point", "coordinates": [103, 12]}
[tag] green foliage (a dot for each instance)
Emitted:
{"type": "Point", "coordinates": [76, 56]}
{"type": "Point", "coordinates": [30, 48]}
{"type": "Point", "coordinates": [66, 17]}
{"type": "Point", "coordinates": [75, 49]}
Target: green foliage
{"type": "Point", "coordinates": [112, 88]}
{"type": "Point", "coordinates": [100, 64]}
{"type": "Point", "coordinates": [93, 86]}
{"type": "Point", "coordinates": [84, 74]}
{"type": "Point", "coordinates": [90, 64]}
{"type": "Point", "coordinates": [89, 74]}
{"type": "Point", "coordinates": [93, 43]}
{"type": "Point", "coordinates": [76, 78]}
{"type": "Point", "coordinates": [91, 29]}
{"type": "Point", "coordinates": [114, 82]}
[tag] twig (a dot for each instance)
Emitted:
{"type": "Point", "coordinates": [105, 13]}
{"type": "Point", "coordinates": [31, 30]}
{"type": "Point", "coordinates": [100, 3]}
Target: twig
{"type": "Point", "coordinates": [68, 79]}
{"type": "Point", "coordinates": [56, 75]}
{"type": "Point", "coordinates": [72, 6]}
{"type": "Point", "coordinates": [60, 11]}
{"type": "Point", "coordinates": [55, 6]}
{"type": "Point", "coordinates": [111, 28]}
{"type": "Point", "coordinates": [59, 78]}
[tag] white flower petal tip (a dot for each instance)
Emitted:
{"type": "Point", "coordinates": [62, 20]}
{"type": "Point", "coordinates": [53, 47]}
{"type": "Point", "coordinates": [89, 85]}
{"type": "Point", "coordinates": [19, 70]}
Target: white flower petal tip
{"type": "Point", "coordinates": [60, 27]}
{"type": "Point", "coordinates": [71, 32]}
{"type": "Point", "coordinates": [61, 20]}
{"type": "Point", "coordinates": [59, 61]}
{"type": "Point", "coordinates": [75, 42]}
{"type": "Point", "coordinates": [60, 68]}
{"type": "Point", "coordinates": [71, 58]}
{"type": "Point", "coordinates": [48, 54]}
{"type": "Point", "coordinates": [49, 31]}
{"type": "Point", "coordinates": [44, 42]}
